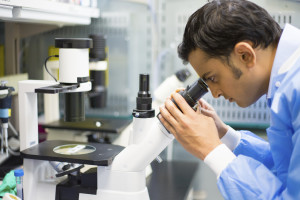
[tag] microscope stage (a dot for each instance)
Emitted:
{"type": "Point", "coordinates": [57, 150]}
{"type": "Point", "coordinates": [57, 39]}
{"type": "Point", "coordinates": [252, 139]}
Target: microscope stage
{"type": "Point", "coordinates": [80, 152]}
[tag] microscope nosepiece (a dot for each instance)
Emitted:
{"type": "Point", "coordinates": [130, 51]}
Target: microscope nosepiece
{"type": "Point", "coordinates": [74, 107]}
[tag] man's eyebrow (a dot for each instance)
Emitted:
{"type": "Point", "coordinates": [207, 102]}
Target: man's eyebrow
{"type": "Point", "coordinates": [204, 76]}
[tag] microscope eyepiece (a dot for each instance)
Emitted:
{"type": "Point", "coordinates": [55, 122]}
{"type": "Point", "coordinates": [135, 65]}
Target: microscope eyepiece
{"type": "Point", "coordinates": [144, 86]}
{"type": "Point", "coordinates": [194, 92]}
{"type": "Point", "coordinates": [143, 99]}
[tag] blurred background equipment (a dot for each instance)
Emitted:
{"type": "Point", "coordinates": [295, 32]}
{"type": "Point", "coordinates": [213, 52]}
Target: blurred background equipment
{"type": "Point", "coordinates": [5, 108]}
{"type": "Point", "coordinates": [9, 144]}
{"type": "Point", "coordinates": [98, 72]}
{"type": "Point", "coordinates": [73, 75]}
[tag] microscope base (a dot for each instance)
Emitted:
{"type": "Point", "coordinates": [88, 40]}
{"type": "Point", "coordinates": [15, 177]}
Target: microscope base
{"type": "Point", "coordinates": [119, 185]}
{"type": "Point", "coordinates": [39, 182]}
{"type": "Point", "coordinates": [113, 195]}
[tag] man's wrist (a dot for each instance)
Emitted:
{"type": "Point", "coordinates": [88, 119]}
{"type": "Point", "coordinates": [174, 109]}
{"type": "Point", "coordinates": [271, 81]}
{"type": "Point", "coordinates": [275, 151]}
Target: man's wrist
{"type": "Point", "coordinates": [223, 130]}
{"type": "Point", "coordinates": [219, 158]}
{"type": "Point", "coordinates": [231, 139]}
{"type": "Point", "coordinates": [206, 151]}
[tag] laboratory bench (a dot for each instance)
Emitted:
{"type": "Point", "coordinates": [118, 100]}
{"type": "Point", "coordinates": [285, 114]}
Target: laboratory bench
{"type": "Point", "coordinates": [104, 125]}
{"type": "Point", "coordinates": [109, 127]}
{"type": "Point", "coordinates": [171, 180]}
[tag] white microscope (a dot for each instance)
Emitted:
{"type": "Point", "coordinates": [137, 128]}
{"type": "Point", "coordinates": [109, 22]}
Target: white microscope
{"type": "Point", "coordinates": [52, 168]}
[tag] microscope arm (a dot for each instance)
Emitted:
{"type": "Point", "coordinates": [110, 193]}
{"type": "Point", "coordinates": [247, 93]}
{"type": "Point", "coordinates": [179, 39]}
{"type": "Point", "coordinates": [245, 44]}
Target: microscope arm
{"type": "Point", "coordinates": [137, 157]}
{"type": "Point", "coordinates": [28, 111]}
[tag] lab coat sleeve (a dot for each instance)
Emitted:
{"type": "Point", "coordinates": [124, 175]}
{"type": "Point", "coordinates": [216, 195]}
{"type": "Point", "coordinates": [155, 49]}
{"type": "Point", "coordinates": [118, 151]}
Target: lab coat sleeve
{"type": "Point", "coordinates": [219, 158]}
{"type": "Point", "coordinates": [249, 144]}
{"type": "Point", "coordinates": [246, 178]}
{"type": "Point", "coordinates": [231, 139]}
{"type": "Point", "coordinates": [255, 147]}
{"type": "Point", "coordinates": [250, 175]}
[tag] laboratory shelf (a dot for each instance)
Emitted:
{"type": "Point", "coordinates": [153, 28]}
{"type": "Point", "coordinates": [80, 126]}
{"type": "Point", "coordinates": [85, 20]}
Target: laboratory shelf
{"type": "Point", "coordinates": [47, 12]}
{"type": "Point", "coordinates": [5, 11]}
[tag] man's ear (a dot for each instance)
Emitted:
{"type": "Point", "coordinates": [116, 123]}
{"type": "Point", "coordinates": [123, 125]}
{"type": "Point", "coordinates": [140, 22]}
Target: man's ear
{"type": "Point", "coordinates": [246, 54]}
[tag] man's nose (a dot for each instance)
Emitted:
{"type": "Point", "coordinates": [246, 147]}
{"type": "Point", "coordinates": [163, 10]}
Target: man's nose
{"type": "Point", "coordinates": [215, 92]}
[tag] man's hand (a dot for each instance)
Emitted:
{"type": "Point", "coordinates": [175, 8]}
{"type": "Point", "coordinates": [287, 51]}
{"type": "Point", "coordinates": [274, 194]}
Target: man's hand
{"type": "Point", "coordinates": [209, 111]}
{"type": "Point", "coordinates": [196, 132]}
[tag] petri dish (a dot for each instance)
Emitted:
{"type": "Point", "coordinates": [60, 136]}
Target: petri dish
{"type": "Point", "coordinates": [74, 149]}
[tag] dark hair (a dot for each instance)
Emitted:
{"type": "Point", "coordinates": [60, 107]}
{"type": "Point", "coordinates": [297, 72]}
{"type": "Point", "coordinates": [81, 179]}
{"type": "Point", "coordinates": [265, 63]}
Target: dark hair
{"type": "Point", "coordinates": [219, 25]}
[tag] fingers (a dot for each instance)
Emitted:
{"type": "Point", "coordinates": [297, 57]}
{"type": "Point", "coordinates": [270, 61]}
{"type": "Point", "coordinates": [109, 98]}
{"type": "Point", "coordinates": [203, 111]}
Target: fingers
{"type": "Point", "coordinates": [176, 91]}
{"type": "Point", "coordinates": [198, 109]}
{"type": "Point", "coordinates": [205, 105]}
{"type": "Point", "coordinates": [182, 104]}
{"type": "Point", "coordinates": [167, 119]}
{"type": "Point", "coordinates": [209, 113]}
{"type": "Point", "coordinates": [205, 109]}
{"type": "Point", "coordinates": [173, 109]}
{"type": "Point", "coordinates": [166, 124]}
{"type": "Point", "coordinates": [179, 89]}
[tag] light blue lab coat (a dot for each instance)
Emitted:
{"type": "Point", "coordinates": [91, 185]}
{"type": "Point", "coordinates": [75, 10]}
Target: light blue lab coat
{"type": "Point", "coordinates": [271, 170]}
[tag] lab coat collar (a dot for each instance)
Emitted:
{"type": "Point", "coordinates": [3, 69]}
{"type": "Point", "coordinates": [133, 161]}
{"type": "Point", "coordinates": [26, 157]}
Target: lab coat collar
{"type": "Point", "coordinates": [289, 43]}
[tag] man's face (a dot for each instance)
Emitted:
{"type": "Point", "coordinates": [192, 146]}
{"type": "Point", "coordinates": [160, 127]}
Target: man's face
{"type": "Point", "coordinates": [238, 85]}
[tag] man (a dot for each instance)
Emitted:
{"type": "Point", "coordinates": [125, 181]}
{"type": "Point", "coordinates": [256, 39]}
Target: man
{"type": "Point", "coordinates": [242, 54]}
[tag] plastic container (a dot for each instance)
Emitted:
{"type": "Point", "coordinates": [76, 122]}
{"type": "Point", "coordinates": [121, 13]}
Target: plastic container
{"type": "Point", "coordinates": [8, 196]}
{"type": "Point", "coordinates": [19, 173]}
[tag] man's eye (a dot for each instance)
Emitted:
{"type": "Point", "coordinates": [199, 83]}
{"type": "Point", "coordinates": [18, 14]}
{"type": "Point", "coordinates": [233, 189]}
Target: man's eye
{"type": "Point", "coordinates": [212, 79]}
